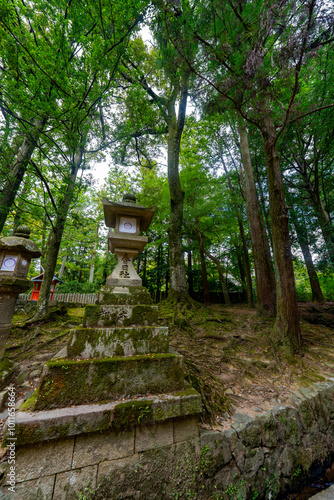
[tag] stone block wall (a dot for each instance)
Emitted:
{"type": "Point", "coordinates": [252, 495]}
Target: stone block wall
{"type": "Point", "coordinates": [60, 469]}
{"type": "Point", "coordinates": [259, 457]}
{"type": "Point", "coordinates": [254, 458]}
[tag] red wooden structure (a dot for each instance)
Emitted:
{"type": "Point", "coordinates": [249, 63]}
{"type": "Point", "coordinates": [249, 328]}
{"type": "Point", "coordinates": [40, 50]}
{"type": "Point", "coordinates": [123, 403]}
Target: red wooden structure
{"type": "Point", "coordinates": [38, 283]}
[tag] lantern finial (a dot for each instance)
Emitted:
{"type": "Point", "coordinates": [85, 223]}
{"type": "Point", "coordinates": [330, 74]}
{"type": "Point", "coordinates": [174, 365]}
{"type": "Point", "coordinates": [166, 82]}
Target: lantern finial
{"type": "Point", "coordinates": [129, 198]}
{"type": "Point", "coordinates": [23, 232]}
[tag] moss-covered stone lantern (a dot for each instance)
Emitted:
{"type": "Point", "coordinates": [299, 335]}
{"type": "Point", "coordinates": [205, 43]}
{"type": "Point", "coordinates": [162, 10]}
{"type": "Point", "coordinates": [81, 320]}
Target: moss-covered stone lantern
{"type": "Point", "coordinates": [16, 253]}
{"type": "Point", "coordinates": [128, 219]}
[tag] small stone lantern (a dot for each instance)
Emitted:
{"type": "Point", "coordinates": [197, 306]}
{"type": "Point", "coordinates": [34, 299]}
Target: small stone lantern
{"type": "Point", "coordinates": [128, 219]}
{"type": "Point", "coordinates": [16, 253]}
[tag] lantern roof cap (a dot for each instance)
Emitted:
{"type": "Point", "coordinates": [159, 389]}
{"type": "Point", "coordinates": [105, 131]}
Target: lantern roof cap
{"type": "Point", "coordinates": [128, 207]}
{"type": "Point", "coordinates": [20, 243]}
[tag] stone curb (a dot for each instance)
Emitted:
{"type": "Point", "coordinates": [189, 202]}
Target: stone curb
{"type": "Point", "coordinates": [34, 427]}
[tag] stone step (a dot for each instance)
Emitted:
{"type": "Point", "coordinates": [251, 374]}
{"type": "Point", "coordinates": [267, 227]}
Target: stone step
{"type": "Point", "coordinates": [122, 295]}
{"type": "Point", "coordinates": [72, 382]}
{"type": "Point", "coordinates": [324, 495]}
{"type": "Point", "coordinates": [119, 315]}
{"type": "Point", "coordinates": [33, 427]}
{"type": "Point", "coordinates": [108, 342]}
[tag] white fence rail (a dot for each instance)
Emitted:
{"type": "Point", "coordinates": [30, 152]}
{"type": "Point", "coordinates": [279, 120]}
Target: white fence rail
{"type": "Point", "coordinates": [73, 298]}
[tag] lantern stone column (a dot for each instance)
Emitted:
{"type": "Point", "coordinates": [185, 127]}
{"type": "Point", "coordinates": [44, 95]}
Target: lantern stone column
{"type": "Point", "coordinates": [128, 219]}
{"type": "Point", "coordinates": [16, 253]}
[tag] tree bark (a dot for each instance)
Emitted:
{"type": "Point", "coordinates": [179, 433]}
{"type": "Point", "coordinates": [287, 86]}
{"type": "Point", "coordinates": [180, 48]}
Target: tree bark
{"type": "Point", "coordinates": [264, 213]}
{"type": "Point", "coordinates": [159, 262]}
{"type": "Point", "coordinates": [241, 265]}
{"type": "Point", "coordinates": [206, 294]}
{"type": "Point", "coordinates": [287, 327]}
{"type": "Point", "coordinates": [18, 214]}
{"type": "Point", "coordinates": [106, 271]}
{"type": "Point", "coordinates": [55, 237]}
{"type": "Point", "coordinates": [301, 232]}
{"type": "Point", "coordinates": [178, 281]}
{"type": "Point", "coordinates": [16, 174]}
{"type": "Point", "coordinates": [324, 221]}
{"type": "Point", "coordinates": [248, 276]}
{"type": "Point", "coordinates": [264, 275]}
{"type": "Point", "coordinates": [221, 277]}
{"type": "Point", "coordinates": [92, 266]}
{"type": "Point", "coordinates": [190, 271]}
{"type": "Point", "coordinates": [62, 267]}
{"type": "Point", "coordinates": [144, 266]}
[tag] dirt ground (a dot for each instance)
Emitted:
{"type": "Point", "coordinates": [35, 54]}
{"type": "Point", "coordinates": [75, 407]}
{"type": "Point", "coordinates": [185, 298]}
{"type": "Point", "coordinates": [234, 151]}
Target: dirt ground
{"type": "Point", "coordinates": [230, 357]}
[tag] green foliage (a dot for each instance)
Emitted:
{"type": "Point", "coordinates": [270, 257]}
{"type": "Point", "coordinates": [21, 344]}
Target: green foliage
{"type": "Point", "coordinates": [237, 490]}
{"type": "Point", "coordinates": [76, 287]}
{"type": "Point", "coordinates": [60, 61]}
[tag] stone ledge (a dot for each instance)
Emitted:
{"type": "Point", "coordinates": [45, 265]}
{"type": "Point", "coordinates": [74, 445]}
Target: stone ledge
{"type": "Point", "coordinates": [73, 382]}
{"type": "Point", "coordinates": [121, 295]}
{"type": "Point", "coordinates": [108, 342]}
{"type": "Point", "coordinates": [34, 427]}
{"type": "Point", "coordinates": [103, 316]}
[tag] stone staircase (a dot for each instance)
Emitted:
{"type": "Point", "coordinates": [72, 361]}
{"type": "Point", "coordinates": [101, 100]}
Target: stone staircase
{"type": "Point", "coordinates": [117, 378]}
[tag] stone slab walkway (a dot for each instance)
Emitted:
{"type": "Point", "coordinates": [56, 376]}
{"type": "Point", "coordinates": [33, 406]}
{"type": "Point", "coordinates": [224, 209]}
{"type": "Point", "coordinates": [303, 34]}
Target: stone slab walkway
{"type": "Point", "coordinates": [324, 495]}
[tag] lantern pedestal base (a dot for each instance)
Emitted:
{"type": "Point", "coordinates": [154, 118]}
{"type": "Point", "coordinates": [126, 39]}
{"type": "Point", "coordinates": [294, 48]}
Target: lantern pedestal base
{"type": "Point", "coordinates": [124, 273]}
{"type": "Point", "coordinates": [10, 288]}
{"type": "Point", "coordinates": [4, 332]}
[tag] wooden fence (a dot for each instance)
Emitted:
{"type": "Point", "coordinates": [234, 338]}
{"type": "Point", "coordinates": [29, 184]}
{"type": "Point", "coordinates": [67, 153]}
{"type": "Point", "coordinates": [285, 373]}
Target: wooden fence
{"type": "Point", "coordinates": [72, 298]}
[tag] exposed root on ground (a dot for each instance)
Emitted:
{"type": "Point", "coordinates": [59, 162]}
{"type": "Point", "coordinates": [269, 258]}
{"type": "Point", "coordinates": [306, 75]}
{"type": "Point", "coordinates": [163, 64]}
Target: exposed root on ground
{"type": "Point", "coordinates": [180, 307]}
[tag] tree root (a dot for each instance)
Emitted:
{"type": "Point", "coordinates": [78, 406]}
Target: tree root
{"type": "Point", "coordinates": [180, 306]}
{"type": "Point", "coordinates": [58, 312]}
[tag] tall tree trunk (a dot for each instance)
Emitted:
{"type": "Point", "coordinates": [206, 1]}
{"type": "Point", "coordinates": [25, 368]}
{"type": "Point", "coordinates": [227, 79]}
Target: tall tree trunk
{"type": "Point", "coordinates": [287, 327]}
{"type": "Point", "coordinates": [178, 281]}
{"type": "Point", "coordinates": [242, 271]}
{"type": "Point", "coordinates": [159, 262]}
{"type": "Point", "coordinates": [55, 237]}
{"type": "Point", "coordinates": [190, 271]}
{"type": "Point", "coordinates": [144, 266]}
{"type": "Point", "coordinates": [301, 232]}
{"type": "Point", "coordinates": [248, 276]}
{"type": "Point", "coordinates": [323, 218]}
{"type": "Point", "coordinates": [18, 214]}
{"type": "Point", "coordinates": [106, 271]}
{"type": "Point", "coordinates": [62, 267]}
{"type": "Point", "coordinates": [264, 275]}
{"type": "Point", "coordinates": [221, 277]}
{"type": "Point", "coordinates": [92, 266]}
{"type": "Point", "coordinates": [16, 173]}
{"type": "Point", "coordinates": [263, 212]}
{"type": "Point", "coordinates": [206, 294]}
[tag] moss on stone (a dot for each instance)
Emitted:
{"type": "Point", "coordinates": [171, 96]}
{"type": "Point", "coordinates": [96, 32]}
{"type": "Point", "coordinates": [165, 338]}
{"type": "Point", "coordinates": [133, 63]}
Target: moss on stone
{"type": "Point", "coordinates": [7, 369]}
{"type": "Point", "coordinates": [132, 413]}
{"type": "Point", "coordinates": [306, 413]}
{"type": "Point", "coordinates": [132, 296]}
{"type": "Point", "coordinates": [142, 315]}
{"type": "Point", "coordinates": [87, 381]}
{"type": "Point", "coordinates": [121, 315]}
{"type": "Point", "coordinates": [25, 435]}
{"type": "Point", "coordinates": [119, 350]}
{"type": "Point", "coordinates": [29, 404]}
{"type": "Point", "coordinates": [91, 315]}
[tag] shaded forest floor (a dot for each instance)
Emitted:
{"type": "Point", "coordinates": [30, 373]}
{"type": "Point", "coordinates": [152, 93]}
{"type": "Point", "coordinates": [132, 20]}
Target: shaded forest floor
{"type": "Point", "coordinates": [228, 356]}
{"type": "Point", "coordinates": [230, 359]}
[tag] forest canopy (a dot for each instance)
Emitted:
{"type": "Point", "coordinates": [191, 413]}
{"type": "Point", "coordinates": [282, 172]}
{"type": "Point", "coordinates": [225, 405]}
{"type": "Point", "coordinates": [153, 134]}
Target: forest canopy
{"type": "Point", "coordinates": [219, 113]}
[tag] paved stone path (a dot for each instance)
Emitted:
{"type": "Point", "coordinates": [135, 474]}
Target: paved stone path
{"type": "Point", "coordinates": [324, 495]}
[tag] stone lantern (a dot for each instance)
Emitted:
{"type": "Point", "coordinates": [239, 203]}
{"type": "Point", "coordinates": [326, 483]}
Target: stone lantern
{"type": "Point", "coordinates": [16, 253]}
{"type": "Point", "coordinates": [128, 219]}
